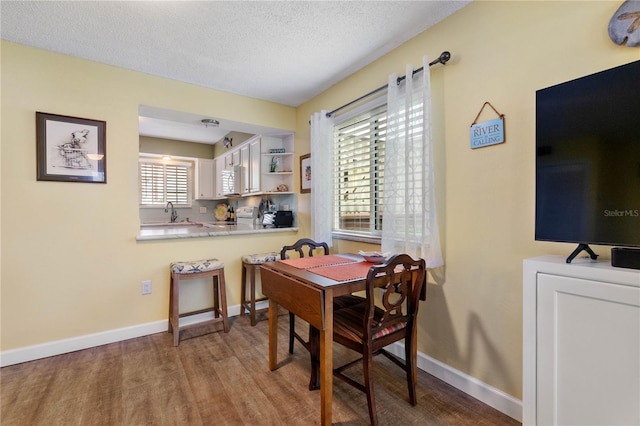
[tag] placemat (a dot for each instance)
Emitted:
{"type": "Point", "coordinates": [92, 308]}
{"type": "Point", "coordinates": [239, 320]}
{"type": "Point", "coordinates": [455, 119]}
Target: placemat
{"type": "Point", "coordinates": [315, 261]}
{"type": "Point", "coordinates": [345, 272]}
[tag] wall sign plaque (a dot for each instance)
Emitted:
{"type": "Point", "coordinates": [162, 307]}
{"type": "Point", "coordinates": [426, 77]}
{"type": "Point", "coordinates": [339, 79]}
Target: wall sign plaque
{"type": "Point", "coordinates": [487, 133]}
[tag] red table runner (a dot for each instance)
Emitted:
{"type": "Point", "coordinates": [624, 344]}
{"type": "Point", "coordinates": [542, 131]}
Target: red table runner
{"type": "Point", "coordinates": [316, 261]}
{"type": "Point", "coordinates": [344, 272]}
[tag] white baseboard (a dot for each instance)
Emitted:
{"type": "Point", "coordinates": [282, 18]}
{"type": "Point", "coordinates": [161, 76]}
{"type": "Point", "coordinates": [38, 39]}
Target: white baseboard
{"type": "Point", "coordinates": [481, 391]}
{"type": "Point", "coordinates": [489, 395]}
{"type": "Point", "coordinates": [59, 347]}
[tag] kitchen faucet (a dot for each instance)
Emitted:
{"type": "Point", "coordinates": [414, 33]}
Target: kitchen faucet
{"type": "Point", "coordinates": [174, 214]}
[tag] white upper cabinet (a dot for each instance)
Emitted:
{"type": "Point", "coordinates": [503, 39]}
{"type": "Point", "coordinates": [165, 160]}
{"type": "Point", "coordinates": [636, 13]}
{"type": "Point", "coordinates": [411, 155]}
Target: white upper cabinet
{"type": "Point", "coordinates": [220, 166]}
{"type": "Point", "coordinates": [253, 166]}
{"type": "Point", "coordinates": [205, 179]}
{"type": "Point", "coordinates": [232, 159]}
{"type": "Point", "coordinates": [266, 165]}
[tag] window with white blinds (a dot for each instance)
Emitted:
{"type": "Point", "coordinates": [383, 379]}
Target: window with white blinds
{"type": "Point", "coordinates": [161, 182]}
{"type": "Point", "coordinates": [359, 173]}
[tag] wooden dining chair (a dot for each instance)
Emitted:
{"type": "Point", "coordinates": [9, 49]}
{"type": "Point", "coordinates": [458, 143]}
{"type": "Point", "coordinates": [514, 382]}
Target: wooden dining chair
{"type": "Point", "coordinates": [367, 328]}
{"type": "Point", "coordinates": [303, 247]}
{"type": "Point", "coordinates": [308, 247]}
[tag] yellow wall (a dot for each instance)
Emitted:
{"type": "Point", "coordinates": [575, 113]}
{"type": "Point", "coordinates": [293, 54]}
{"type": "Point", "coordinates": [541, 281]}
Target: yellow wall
{"type": "Point", "coordinates": [502, 52]}
{"type": "Point", "coordinates": [70, 263]}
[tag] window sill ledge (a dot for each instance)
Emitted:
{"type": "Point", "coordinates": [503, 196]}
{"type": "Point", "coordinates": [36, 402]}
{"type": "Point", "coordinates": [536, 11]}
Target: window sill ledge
{"type": "Point", "coordinates": [370, 239]}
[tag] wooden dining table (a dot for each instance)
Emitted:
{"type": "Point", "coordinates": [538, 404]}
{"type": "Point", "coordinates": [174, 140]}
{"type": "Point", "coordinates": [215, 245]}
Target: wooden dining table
{"type": "Point", "coordinates": [307, 287]}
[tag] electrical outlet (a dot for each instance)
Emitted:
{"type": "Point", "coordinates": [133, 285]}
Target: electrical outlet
{"type": "Point", "coordinates": [146, 287]}
{"type": "Point", "coordinates": [203, 209]}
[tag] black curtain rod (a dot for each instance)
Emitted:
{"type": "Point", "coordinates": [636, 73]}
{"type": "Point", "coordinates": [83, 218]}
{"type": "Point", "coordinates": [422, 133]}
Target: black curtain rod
{"type": "Point", "coordinates": [442, 59]}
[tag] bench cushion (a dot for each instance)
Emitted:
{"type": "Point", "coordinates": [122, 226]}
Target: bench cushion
{"type": "Point", "coordinates": [259, 259]}
{"type": "Point", "coordinates": [196, 266]}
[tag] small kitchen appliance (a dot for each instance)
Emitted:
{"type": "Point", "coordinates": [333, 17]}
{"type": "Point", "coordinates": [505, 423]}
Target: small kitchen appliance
{"type": "Point", "coordinates": [247, 216]}
{"type": "Point", "coordinates": [278, 219]}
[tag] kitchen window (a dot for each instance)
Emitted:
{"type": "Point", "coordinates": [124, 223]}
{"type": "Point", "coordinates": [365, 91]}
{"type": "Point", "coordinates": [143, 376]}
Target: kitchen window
{"type": "Point", "coordinates": [163, 181]}
{"type": "Point", "coordinates": [359, 174]}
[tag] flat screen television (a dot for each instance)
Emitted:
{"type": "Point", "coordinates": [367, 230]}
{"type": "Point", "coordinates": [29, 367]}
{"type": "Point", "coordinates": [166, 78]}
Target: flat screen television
{"type": "Point", "coordinates": [588, 160]}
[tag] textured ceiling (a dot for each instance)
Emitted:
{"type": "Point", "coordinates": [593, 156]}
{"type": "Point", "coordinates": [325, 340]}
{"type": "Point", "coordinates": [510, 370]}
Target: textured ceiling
{"type": "Point", "coordinates": [284, 51]}
{"type": "Point", "coordinates": [281, 51]}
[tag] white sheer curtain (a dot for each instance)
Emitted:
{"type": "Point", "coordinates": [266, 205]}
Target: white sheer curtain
{"type": "Point", "coordinates": [321, 173]}
{"type": "Point", "coordinates": [409, 223]}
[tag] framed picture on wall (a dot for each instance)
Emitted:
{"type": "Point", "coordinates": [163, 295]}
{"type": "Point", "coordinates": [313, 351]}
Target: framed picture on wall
{"type": "Point", "coordinates": [305, 173]}
{"type": "Point", "coordinates": [70, 149]}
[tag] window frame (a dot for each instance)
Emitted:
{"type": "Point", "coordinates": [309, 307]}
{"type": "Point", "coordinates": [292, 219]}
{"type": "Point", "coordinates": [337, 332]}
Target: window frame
{"type": "Point", "coordinates": [344, 234]}
{"type": "Point", "coordinates": [187, 162]}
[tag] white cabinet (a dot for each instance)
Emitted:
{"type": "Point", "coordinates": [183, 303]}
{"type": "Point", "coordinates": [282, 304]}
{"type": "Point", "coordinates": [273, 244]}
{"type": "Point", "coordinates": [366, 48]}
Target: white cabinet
{"type": "Point", "coordinates": [250, 161]}
{"type": "Point", "coordinates": [231, 159]}
{"type": "Point", "coordinates": [244, 162]}
{"type": "Point", "coordinates": [255, 156]}
{"type": "Point", "coordinates": [581, 343]}
{"type": "Point", "coordinates": [205, 179]}
{"type": "Point", "coordinates": [254, 165]}
{"type": "Point", "coordinates": [220, 166]}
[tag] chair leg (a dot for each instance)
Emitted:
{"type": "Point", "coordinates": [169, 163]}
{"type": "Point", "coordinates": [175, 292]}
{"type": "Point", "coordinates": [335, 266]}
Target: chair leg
{"type": "Point", "coordinates": [410, 355]}
{"type": "Point", "coordinates": [292, 331]}
{"type": "Point", "coordinates": [367, 366]}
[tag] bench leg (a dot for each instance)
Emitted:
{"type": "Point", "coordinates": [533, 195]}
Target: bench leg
{"type": "Point", "coordinates": [243, 289]}
{"type": "Point", "coordinates": [253, 295]}
{"type": "Point", "coordinates": [174, 321]}
{"type": "Point", "coordinates": [222, 304]}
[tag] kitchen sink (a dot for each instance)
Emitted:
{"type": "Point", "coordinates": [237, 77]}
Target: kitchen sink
{"type": "Point", "coordinates": [170, 224]}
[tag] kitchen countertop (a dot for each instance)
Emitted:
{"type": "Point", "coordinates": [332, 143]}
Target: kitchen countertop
{"type": "Point", "coordinates": [165, 231]}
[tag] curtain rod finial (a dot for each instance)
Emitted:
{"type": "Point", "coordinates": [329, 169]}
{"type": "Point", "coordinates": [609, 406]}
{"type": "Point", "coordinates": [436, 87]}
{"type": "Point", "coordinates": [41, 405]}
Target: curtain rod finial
{"type": "Point", "coordinates": [442, 59]}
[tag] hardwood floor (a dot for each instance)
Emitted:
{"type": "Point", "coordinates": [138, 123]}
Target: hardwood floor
{"type": "Point", "coordinates": [216, 379]}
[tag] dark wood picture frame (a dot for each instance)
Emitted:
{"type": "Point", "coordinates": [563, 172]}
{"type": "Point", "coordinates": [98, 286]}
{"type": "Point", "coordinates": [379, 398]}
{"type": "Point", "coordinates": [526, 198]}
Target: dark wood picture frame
{"type": "Point", "coordinates": [305, 173]}
{"type": "Point", "coordinates": [70, 149]}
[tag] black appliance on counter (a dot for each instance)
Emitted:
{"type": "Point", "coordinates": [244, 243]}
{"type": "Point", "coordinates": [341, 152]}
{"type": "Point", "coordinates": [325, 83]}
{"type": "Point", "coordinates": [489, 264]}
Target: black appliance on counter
{"type": "Point", "coordinates": [279, 219]}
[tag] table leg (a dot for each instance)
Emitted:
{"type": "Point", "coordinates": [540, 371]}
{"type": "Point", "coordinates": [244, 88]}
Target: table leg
{"type": "Point", "coordinates": [273, 335]}
{"type": "Point", "coordinates": [326, 361]}
{"type": "Point", "coordinates": [314, 350]}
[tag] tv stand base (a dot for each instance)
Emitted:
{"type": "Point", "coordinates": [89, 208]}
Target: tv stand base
{"type": "Point", "coordinates": [580, 248]}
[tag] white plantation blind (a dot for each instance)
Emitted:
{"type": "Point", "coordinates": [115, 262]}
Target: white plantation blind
{"type": "Point", "coordinates": [163, 182]}
{"type": "Point", "coordinates": [359, 172]}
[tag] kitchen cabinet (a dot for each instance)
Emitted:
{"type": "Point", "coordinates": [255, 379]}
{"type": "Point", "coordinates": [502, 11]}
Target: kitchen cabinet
{"type": "Point", "coordinates": [255, 157]}
{"type": "Point", "coordinates": [581, 343]}
{"type": "Point", "coordinates": [232, 159]}
{"type": "Point", "coordinates": [254, 165]}
{"type": "Point", "coordinates": [220, 166]}
{"type": "Point", "coordinates": [250, 161]}
{"type": "Point", "coordinates": [205, 179]}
